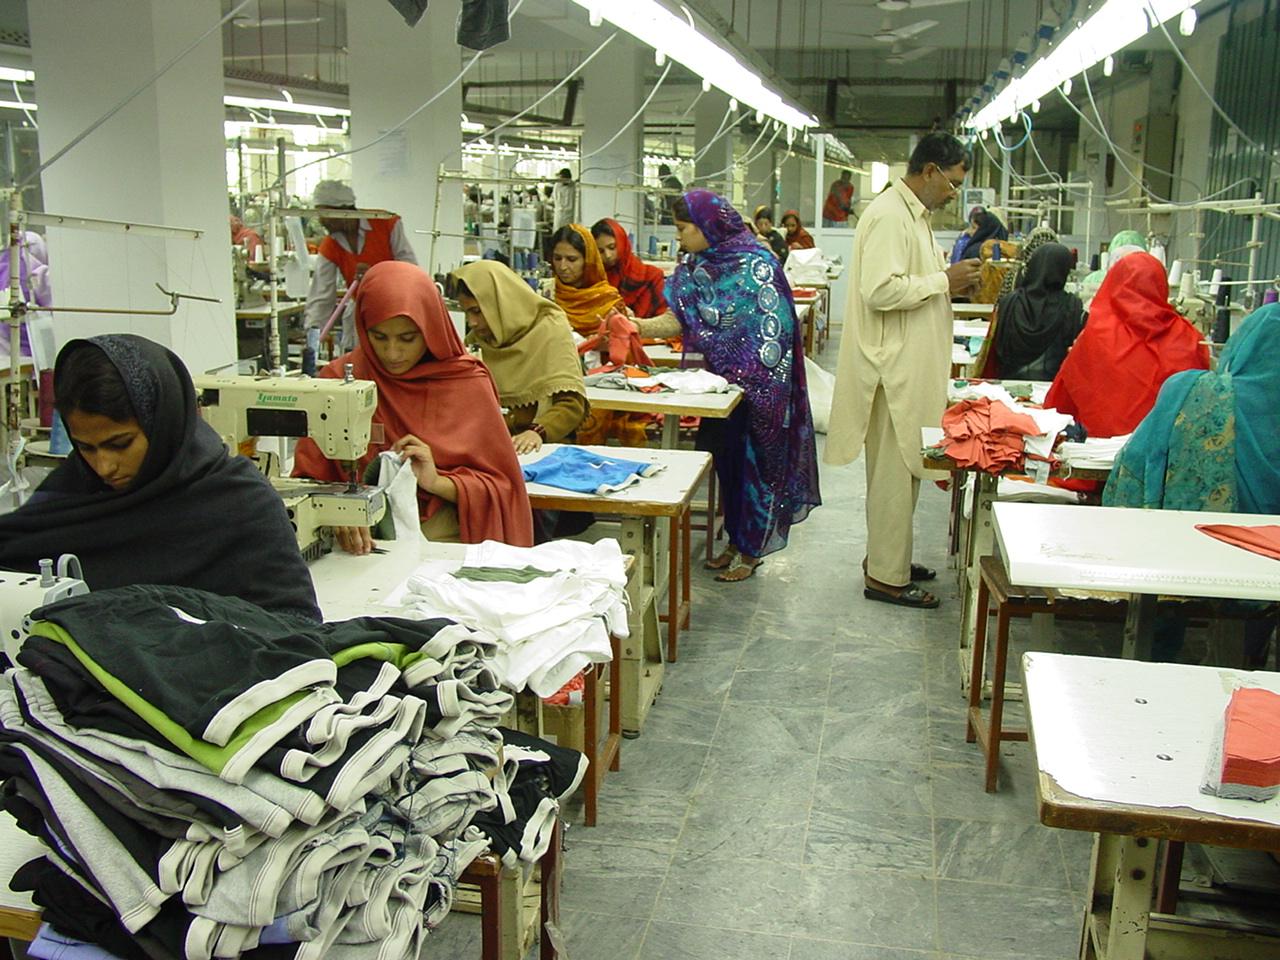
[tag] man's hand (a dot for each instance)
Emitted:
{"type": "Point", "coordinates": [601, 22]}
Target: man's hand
{"type": "Point", "coordinates": [527, 442]}
{"type": "Point", "coordinates": [962, 277]}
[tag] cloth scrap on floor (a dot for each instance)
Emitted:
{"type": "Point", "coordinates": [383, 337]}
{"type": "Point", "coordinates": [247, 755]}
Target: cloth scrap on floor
{"type": "Point", "coordinates": [1263, 539]}
{"type": "Point", "coordinates": [585, 471]}
{"type": "Point", "coordinates": [986, 434]}
{"type": "Point", "coordinates": [1244, 763]}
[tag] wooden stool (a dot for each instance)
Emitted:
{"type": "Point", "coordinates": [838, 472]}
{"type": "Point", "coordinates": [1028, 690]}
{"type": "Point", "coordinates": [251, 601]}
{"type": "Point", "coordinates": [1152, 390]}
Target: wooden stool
{"type": "Point", "coordinates": [508, 925]}
{"type": "Point", "coordinates": [1011, 601]}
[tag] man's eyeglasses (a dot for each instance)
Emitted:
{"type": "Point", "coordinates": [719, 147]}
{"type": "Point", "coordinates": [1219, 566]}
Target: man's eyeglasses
{"type": "Point", "coordinates": [955, 186]}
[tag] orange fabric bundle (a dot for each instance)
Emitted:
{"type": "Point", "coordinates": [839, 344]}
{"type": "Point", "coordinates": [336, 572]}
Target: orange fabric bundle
{"type": "Point", "coordinates": [986, 434]}
{"type": "Point", "coordinates": [1263, 539]}
{"type": "Point", "coordinates": [1251, 745]}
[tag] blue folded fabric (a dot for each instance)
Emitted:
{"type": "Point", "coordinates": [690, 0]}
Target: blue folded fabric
{"type": "Point", "coordinates": [51, 945]}
{"type": "Point", "coordinates": [585, 471]}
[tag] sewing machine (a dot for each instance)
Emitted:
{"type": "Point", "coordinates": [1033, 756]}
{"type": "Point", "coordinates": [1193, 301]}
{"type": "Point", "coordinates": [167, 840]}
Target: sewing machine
{"type": "Point", "coordinates": [20, 593]}
{"type": "Point", "coordinates": [336, 414]}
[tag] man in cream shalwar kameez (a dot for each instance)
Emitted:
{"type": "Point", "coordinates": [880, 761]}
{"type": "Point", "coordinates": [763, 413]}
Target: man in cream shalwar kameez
{"type": "Point", "coordinates": [895, 356]}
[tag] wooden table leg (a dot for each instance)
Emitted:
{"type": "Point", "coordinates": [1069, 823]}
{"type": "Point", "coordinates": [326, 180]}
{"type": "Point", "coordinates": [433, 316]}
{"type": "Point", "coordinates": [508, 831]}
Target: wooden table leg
{"type": "Point", "coordinates": [712, 532]}
{"type": "Point", "coordinates": [1139, 626]}
{"type": "Point", "coordinates": [977, 667]}
{"type": "Point", "coordinates": [686, 561]}
{"type": "Point", "coordinates": [673, 590]}
{"type": "Point", "coordinates": [550, 912]}
{"type": "Point", "coordinates": [1170, 877]}
{"type": "Point", "coordinates": [491, 916]}
{"type": "Point", "coordinates": [590, 743]}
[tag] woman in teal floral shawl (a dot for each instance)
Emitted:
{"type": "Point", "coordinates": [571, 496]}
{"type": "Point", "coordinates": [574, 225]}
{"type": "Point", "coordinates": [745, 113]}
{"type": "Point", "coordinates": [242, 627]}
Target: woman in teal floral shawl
{"type": "Point", "coordinates": [1211, 442]}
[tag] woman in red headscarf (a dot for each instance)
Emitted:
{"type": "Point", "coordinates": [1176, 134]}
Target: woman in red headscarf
{"type": "Point", "coordinates": [1133, 341]}
{"type": "Point", "coordinates": [798, 238]}
{"type": "Point", "coordinates": [639, 283]}
{"type": "Point", "coordinates": [438, 408]}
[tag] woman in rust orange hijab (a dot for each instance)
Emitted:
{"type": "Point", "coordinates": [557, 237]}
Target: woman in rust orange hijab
{"type": "Point", "coordinates": [438, 407]}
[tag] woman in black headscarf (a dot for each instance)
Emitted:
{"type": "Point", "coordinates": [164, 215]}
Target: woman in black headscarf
{"type": "Point", "coordinates": [1038, 322]}
{"type": "Point", "coordinates": [149, 493]}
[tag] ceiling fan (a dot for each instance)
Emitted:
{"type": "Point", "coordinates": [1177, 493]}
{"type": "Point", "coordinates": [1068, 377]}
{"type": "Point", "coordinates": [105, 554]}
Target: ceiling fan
{"type": "Point", "coordinates": [892, 5]}
{"type": "Point", "coordinates": [888, 33]}
{"type": "Point", "coordinates": [905, 53]}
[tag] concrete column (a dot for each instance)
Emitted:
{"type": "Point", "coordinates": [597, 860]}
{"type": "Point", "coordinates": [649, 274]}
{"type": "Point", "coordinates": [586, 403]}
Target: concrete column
{"type": "Point", "coordinates": [392, 68]}
{"type": "Point", "coordinates": [613, 89]}
{"type": "Point", "coordinates": [159, 160]}
{"type": "Point", "coordinates": [707, 115]}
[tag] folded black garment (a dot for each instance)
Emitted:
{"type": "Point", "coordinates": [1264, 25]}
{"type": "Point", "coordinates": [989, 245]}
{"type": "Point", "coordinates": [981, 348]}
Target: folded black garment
{"type": "Point", "coordinates": [73, 911]}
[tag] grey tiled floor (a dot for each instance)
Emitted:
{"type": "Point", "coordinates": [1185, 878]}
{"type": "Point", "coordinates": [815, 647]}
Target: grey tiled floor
{"type": "Point", "coordinates": [803, 791]}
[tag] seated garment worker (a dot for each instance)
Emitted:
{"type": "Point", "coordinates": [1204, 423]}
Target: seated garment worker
{"type": "Point", "coordinates": [351, 248]}
{"type": "Point", "coordinates": [525, 342]}
{"type": "Point", "coordinates": [639, 283]}
{"type": "Point", "coordinates": [798, 238]}
{"type": "Point", "coordinates": [1133, 341]}
{"type": "Point", "coordinates": [149, 493]}
{"type": "Point", "coordinates": [438, 408]}
{"type": "Point", "coordinates": [1037, 323]}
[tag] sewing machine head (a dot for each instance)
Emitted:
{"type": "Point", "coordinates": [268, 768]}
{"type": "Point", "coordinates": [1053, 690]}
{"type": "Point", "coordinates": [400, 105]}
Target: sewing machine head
{"type": "Point", "coordinates": [336, 414]}
{"type": "Point", "coordinates": [20, 593]}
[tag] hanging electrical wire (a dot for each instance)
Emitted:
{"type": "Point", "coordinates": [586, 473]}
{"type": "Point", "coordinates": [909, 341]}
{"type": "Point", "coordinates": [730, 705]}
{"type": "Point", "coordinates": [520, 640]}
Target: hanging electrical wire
{"type": "Point", "coordinates": [280, 181]}
{"type": "Point", "coordinates": [721, 130]}
{"type": "Point", "coordinates": [635, 116]}
{"type": "Point", "coordinates": [747, 159]}
{"type": "Point", "coordinates": [572, 73]}
{"type": "Point", "coordinates": [1217, 107]}
{"type": "Point", "coordinates": [74, 141]}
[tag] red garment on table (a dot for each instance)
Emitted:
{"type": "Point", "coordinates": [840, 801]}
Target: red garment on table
{"type": "Point", "coordinates": [639, 283]}
{"type": "Point", "coordinates": [985, 434]}
{"type": "Point", "coordinates": [1251, 738]}
{"type": "Point", "coordinates": [1132, 342]}
{"type": "Point", "coordinates": [1263, 539]}
{"type": "Point", "coordinates": [448, 401]}
{"type": "Point", "coordinates": [619, 339]}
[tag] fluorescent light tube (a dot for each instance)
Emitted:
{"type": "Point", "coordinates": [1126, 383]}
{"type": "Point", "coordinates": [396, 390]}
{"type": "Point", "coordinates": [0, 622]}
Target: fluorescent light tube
{"type": "Point", "coordinates": [1112, 27]}
{"type": "Point", "coordinates": [673, 38]}
{"type": "Point", "coordinates": [310, 109]}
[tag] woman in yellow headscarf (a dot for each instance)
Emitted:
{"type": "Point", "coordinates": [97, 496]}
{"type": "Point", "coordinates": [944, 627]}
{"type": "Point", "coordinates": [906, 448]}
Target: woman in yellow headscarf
{"type": "Point", "coordinates": [525, 342]}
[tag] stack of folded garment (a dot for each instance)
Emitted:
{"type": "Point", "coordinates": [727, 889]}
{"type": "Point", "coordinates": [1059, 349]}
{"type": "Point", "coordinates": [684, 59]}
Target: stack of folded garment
{"type": "Point", "coordinates": [213, 779]}
{"type": "Point", "coordinates": [549, 610]}
{"type": "Point", "coordinates": [657, 380]}
{"type": "Point", "coordinates": [1245, 761]}
{"type": "Point", "coordinates": [986, 434]}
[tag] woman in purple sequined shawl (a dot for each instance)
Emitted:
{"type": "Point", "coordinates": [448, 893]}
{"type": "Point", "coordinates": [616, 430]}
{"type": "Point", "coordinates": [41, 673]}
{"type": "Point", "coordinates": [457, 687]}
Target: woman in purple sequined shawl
{"type": "Point", "coordinates": [736, 309]}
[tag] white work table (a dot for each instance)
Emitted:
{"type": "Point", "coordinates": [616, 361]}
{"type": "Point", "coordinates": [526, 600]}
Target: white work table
{"type": "Point", "coordinates": [1121, 748]}
{"type": "Point", "coordinates": [670, 405]}
{"type": "Point", "coordinates": [668, 494]}
{"type": "Point", "coordinates": [970, 328]}
{"type": "Point", "coordinates": [973, 309]}
{"type": "Point", "coordinates": [1145, 553]}
{"type": "Point", "coordinates": [348, 586]}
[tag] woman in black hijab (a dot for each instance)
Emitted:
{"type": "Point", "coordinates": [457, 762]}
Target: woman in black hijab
{"type": "Point", "coordinates": [149, 493]}
{"type": "Point", "coordinates": [1038, 322]}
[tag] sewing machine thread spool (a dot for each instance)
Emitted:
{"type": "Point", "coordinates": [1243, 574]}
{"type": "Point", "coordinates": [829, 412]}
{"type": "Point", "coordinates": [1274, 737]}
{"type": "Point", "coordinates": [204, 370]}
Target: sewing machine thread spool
{"type": "Point", "coordinates": [1187, 289]}
{"type": "Point", "coordinates": [1215, 282]}
{"type": "Point", "coordinates": [1175, 274]}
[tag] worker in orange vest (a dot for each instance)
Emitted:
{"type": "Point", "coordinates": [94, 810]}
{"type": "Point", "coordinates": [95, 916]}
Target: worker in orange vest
{"type": "Point", "coordinates": [351, 248]}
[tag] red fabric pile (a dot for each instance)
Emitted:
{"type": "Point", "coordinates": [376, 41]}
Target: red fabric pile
{"type": "Point", "coordinates": [619, 338]}
{"type": "Point", "coordinates": [1264, 539]}
{"type": "Point", "coordinates": [569, 694]}
{"type": "Point", "coordinates": [985, 434]}
{"type": "Point", "coordinates": [1251, 745]}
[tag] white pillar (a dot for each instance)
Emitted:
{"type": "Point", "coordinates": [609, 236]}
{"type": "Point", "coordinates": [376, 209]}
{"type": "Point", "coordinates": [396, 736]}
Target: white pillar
{"type": "Point", "coordinates": [707, 116]}
{"type": "Point", "coordinates": [392, 68]}
{"type": "Point", "coordinates": [159, 160]}
{"type": "Point", "coordinates": [613, 89]}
